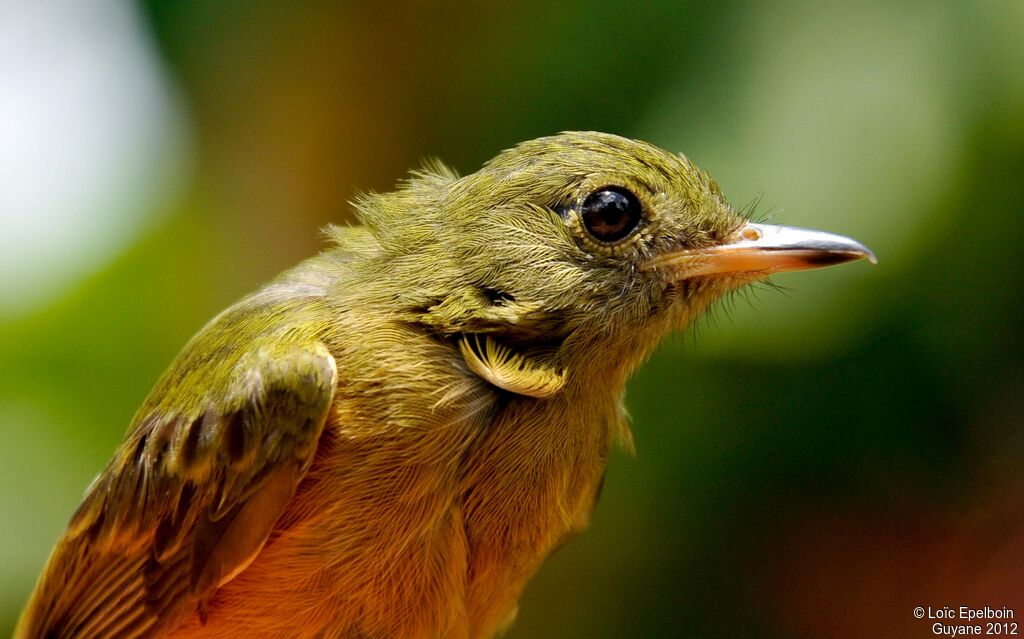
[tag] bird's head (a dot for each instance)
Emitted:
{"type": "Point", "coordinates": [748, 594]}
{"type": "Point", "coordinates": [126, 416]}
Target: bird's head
{"type": "Point", "coordinates": [575, 248]}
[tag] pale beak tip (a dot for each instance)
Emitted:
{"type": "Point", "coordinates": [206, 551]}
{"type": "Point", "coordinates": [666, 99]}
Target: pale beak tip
{"type": "Point", "coordinates": [866, 253]}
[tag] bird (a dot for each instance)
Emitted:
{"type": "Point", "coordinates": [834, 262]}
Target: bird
{"type": "Point", "coordinates": [389, 439]}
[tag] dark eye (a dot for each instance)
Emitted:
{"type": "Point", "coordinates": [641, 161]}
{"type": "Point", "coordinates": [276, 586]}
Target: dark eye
{"type": "Point", "coordinates": [611, 213]}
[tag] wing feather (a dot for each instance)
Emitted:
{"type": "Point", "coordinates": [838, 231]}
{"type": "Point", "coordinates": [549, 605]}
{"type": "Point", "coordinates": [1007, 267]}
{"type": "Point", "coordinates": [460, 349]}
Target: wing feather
{"type": "Point", "coordinates": [190, 497]}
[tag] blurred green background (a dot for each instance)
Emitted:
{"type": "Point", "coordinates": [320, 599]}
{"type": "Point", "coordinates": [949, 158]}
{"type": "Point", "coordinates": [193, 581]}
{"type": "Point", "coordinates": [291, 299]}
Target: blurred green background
{"type": "Point", "coordinates": [813, 463]}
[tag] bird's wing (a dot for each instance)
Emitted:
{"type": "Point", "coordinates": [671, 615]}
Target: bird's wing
{"type": "Point", "coordinates": [190, 497]}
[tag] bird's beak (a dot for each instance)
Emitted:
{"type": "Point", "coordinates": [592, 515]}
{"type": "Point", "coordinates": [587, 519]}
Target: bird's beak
{"type": "Point", "coordinates": [757, 250]}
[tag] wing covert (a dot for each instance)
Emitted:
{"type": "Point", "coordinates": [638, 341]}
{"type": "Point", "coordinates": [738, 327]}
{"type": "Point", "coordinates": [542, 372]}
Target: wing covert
{"type": "Point", "coordinates": [190, 497]}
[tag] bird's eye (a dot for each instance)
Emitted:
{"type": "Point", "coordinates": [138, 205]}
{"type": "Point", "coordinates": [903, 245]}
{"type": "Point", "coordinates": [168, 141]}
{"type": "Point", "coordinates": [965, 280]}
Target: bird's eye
{"type": "Point", "coordinates": [611, 213]}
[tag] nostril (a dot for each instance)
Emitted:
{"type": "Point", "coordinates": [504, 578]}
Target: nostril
{"type": "Point", "coordinates": [750, 234]}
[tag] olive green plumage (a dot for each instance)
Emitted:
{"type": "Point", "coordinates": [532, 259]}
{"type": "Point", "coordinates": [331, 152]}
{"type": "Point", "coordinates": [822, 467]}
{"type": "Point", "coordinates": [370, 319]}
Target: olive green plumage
{"type": "Point", "coordinates": [387, 440]}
